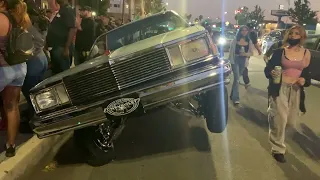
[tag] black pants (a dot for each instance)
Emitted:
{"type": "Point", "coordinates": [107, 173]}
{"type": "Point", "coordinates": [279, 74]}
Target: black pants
{"type": "Point", "coordinates": [245, 76]}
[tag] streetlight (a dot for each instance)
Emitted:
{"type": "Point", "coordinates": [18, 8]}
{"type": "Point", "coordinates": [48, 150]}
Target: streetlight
{"type": "Point", "coordinates": [167, 4]}
{"type": "Point", "coordinates": [225, 12]}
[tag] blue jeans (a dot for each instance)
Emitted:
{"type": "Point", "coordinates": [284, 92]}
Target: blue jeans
{"type": "Point", "coordinates": [237, 69]}
{"type": "Point", "coordinates": [36, 67]}
{"type": "Point", "coordinates": [60, 62]}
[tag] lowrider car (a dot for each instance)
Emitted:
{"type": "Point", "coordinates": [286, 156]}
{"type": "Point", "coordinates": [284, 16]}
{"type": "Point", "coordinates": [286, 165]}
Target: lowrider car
{"type": "Point", "coordinates": [134, 69]}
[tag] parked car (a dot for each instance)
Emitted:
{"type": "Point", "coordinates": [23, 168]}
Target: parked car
{"type": "Point", "coordinates": [269, 39]}
{"type": "Point", "coordinates": [154, 62]}
{"type": "Point", "coordinates": [313, 44]}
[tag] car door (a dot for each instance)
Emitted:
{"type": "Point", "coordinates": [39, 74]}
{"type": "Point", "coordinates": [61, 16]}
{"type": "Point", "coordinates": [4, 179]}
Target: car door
{"type": "Point", "coordinates": [315, 61]}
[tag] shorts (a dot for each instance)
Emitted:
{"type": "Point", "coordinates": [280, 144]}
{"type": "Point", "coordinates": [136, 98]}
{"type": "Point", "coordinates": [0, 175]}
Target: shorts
{"type": "Point", "coordinates": [12, 75]}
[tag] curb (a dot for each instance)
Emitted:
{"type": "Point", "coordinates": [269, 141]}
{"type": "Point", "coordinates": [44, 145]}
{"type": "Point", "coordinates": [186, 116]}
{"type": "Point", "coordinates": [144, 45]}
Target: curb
{"type": "Point", "coordinates": [29, 155]}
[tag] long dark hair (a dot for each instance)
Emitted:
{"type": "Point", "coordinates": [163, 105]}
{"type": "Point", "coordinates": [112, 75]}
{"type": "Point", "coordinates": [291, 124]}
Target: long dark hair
{"type": "Point", "coordinates": [239, 35]}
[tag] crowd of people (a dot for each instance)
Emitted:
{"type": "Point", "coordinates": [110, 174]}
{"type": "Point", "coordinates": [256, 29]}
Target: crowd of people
{"type": "Point", "coordinates": [58, 37]}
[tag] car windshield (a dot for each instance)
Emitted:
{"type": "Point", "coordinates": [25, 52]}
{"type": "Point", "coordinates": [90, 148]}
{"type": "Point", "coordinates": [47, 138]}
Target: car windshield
{"type": "Point", "coordinates": [137, 31]}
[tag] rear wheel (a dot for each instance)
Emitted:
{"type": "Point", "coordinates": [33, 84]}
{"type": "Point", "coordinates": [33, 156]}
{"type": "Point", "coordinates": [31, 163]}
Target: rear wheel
{"type": "Point", "coordinates": [216, 109]}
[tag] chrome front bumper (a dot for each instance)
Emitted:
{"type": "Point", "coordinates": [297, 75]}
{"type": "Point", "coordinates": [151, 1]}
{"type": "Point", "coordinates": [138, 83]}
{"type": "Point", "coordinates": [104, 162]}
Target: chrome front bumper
{"type": "Point", "coordinates": [151, 97]}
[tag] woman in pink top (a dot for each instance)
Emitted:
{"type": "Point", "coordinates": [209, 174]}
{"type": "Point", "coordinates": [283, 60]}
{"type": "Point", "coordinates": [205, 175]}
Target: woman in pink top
{"type": "Point", "coordinates": [287, 98]}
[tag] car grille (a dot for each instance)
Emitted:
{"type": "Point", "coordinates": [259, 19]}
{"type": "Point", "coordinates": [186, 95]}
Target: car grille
{"type": "Point", "coordinates": [140, 68]}
{"type": "Point", "coordinates": [88, 86]}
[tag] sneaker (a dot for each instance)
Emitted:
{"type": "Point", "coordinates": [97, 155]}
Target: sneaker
{"type": "Point", "coordinates": [10, 150]}
{"type": "Point", "coordinates": [279, 157]}
{"type": "Point", "coordinates": [236, 103]}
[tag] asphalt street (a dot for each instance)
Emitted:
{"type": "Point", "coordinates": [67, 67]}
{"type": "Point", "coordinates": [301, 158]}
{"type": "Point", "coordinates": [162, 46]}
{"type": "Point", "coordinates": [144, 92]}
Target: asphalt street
{"type": "Point", "coordinates": [169, 145]}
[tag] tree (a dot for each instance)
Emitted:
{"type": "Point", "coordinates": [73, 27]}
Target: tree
{"type": "Point", "coordinates": [242, 16]}
{"type": "Point", "coordinates": [188, 17]}
{"type": "Point", "coordinates": [302, 13]}
{"type": "Point", "coordinates": [153, 6]}
{"type": "Point", "coordinates": [200, 18]}
{"type": "Point", "coordinates": [101, 6]}
{"type": "Point", "coordinates": [256, 16]}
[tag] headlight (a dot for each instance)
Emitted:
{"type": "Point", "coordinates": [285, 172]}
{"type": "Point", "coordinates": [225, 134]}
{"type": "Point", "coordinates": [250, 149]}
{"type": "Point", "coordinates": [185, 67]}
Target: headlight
{"type": "Point", "coordinates": [222, 41]}
{"type": "Point", "coordinates": [50, 98]}
{"type": "Point", "coordinates": [189, 51]}
{"type": "Point", "coordinates": [195, 49]}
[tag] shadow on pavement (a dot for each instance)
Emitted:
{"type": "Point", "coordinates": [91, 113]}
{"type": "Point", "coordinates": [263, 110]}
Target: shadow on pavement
{"type": "Point", "coordinates": [259, 92]}
{"type": "Point", "coordinates": [308, 141]}
{"type": "Point", "coordinates": [253, 115]}
{"type": "Point", "coordinates": [294, 169]}
{"type": "Point", "coordinates": [162, 132]}
{"type": "Point", "coordinates": [165, 131]}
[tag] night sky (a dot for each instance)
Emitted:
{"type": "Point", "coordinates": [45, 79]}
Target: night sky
{"type": "Point", "coordinates": [216, 8]}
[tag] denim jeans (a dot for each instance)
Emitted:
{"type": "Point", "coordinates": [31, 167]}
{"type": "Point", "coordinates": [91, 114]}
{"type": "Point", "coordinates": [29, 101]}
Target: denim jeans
{"type": "Point", "coordinates": [36, 67]}
{"type": "Point", "coordinates": [237, 69]}
{"type": "Point", "coordinates": [60, 62]}
{"type": "Point", "coordinates": [245, 75]}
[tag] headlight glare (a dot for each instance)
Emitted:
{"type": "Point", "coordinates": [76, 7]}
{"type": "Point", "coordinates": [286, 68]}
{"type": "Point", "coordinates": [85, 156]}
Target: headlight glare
{"type": "Point", "coordinates": [195, 49]}
{"type": "Point", "coordinates": [222, 41]}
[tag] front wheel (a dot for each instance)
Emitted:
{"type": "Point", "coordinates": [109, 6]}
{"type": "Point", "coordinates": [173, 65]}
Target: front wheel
{"type": "Point", "coordinates": [96, 141]}
{"type": "Point", "coordinates": [216, 109]}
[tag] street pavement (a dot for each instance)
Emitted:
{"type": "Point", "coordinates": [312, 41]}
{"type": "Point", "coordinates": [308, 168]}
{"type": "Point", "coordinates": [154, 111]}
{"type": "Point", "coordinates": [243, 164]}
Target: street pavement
{"type": "Point", "coordinates": [169, 145]}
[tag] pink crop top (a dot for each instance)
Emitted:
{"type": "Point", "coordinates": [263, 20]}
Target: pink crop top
{"type": "Point", "coordinates": [292, 68]}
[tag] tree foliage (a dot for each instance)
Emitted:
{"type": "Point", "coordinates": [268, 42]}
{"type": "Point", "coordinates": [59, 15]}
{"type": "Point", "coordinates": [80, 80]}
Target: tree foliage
{"type": "Point", "coordinates": [256, 16]}
{"type": "Point", "coordinates": [245, 16]}
{"type": "Point", "coordinates": [153, 6]}
{"type": "Point", "coordinates": [200, 18]}
{"type": "Point", "coordinates": [188, 17]}
{"type": "Point", "coordinates": [302, 13]}
{"type": "Point", "coordinates": [242, 17]}
{"type": "Point", "coordinates": [100, 6]}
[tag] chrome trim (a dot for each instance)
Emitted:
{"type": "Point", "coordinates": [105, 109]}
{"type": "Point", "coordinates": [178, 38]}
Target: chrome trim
{"type": "Point", "coordinates": [92, 118]}
{"type": "Point", "coordinates": [81, 108]}
{"type": "Point", "coordinates": [195, 91]}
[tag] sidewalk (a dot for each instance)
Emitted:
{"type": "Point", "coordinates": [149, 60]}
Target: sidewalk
{"type": "Point", "coordinates": [30, 151]}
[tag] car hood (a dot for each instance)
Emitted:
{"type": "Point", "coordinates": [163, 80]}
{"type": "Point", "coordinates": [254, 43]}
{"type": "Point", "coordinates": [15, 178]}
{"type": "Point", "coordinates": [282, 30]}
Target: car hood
{"type": "Point", "coordinates": [123, 51]}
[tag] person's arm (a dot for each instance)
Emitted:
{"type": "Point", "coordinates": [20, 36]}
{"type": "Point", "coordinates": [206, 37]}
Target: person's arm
{"type": "Point", "coordinates": [232, 51]}
{"type": "Point", "coordinates": [254, 39]}
{"type": "Point", "coordinates": [272, 63]}
{"type": "Point", "coordinates": [305, 79]}
{"type": "Point", "coordinates": [250, 51]}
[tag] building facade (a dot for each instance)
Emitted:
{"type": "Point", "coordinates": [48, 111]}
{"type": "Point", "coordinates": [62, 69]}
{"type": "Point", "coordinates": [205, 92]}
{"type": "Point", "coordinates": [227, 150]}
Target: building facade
{"type": "Point", "coordinates": [116, 7]}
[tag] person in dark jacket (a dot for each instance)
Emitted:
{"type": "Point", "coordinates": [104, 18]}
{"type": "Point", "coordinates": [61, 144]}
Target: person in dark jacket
{"type": "Point", "coordinates": [286, 97]}
{"type": "Point", "coordinates": [86, 35]}
{"type": "Point", "coordinates": [61, 33]}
